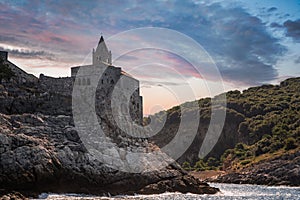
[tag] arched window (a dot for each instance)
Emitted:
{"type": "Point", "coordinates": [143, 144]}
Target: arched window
{"type": "Point", "coordinates": [101, 81]}
{"type": "Point", "coordinates": [88, 81]}
{"type": "Point", "coordinates": [83, 81]}
{"type": "Point", "coordinates": [112, 82]}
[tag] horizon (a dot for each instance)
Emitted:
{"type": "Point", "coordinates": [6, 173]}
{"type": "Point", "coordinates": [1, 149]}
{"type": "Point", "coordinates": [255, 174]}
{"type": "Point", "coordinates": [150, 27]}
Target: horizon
{"type": "Point", "coordinates": [252, 43]}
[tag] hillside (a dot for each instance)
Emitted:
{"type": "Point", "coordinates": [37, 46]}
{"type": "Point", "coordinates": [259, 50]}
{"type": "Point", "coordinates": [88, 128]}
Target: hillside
{"type": "Point", "coordinates": [261, 131]}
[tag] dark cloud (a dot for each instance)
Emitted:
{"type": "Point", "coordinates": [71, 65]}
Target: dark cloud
{"type": "Point", "coordinates": [242, 47]}
{"type": "Point", "coordinates": [293, 29]}
{"type": "Point", "coordinates": [272, 9]}
{"type": "Point", "coordinates": [244, 50]}
{"type": "Point", "coordinates": [276, 25]}
{"type": "Point", "coordinates": [28, 54]}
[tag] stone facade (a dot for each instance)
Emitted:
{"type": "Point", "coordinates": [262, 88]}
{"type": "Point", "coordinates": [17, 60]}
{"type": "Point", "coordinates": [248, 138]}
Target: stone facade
{"type": "Point", "coordinates": [62, 85]}
{"type": "Point", "coordinates": [111, 77]}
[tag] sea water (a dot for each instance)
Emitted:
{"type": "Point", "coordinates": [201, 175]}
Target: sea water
{"type": "Point", "coordinates": [228, 191]}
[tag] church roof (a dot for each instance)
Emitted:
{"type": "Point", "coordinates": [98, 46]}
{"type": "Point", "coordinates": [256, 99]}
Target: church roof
{"type": "Point", "coordinates": [101, 39]}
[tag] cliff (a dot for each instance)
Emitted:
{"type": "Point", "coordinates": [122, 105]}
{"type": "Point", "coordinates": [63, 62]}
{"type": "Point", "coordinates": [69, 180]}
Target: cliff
{"type": "Point", "coordinates": [40, 151]}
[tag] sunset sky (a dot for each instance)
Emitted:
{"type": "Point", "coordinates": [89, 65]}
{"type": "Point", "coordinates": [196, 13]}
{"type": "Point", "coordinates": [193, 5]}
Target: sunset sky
{"type": "Point", "coordinates": [252, 42]}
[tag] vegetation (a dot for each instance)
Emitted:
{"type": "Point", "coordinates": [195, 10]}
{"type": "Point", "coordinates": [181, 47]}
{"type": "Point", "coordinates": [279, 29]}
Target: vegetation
{"type": "Point", "coordinates": [270, 125]}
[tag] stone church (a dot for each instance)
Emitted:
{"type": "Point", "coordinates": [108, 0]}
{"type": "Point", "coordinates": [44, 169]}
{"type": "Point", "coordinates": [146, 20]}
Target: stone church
{"type": "Point", "coordinates": [111, 80]}
{"type": "Point", "coordinates": [110, 76]}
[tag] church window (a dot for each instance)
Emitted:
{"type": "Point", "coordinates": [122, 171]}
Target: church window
{"type": "Point", "coordinates": [88, 81]}
{"type": "Point", "coordinates": [101, 81]}
{"type": "Point", "coordinates": [83, 81]}
{"type": "Point", "coordinates": [112, 82]}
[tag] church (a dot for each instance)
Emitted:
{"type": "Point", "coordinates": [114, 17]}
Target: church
{"type": "Point", "coordinates": [112, 78]}
{"type": "Point", "coordinates": [106, 84]}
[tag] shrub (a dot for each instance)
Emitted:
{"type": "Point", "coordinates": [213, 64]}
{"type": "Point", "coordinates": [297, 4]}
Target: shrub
{"type": "Point", "coordinates": [290, 143]}
{"type": "Point", "coordinates": [245, 162]}
{"type": "Point", "coordinates": [213, 162]}
{"type": "Point", "coordinates": [187, 166]}
{"type": "Point", "coordinates": [200, 165]}
{"type": "Point", "coordinates": [239, 146]}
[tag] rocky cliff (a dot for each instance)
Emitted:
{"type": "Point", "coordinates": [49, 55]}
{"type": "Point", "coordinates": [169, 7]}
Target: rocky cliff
{"type": "Point", "coordinates": [40, 151]}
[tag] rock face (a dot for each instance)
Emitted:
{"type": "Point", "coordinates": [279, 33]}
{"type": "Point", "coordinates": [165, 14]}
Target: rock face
{"type": "Point", "coordinates": [41, 153]}
{"type": "Point", "coordinates": [283, 170]}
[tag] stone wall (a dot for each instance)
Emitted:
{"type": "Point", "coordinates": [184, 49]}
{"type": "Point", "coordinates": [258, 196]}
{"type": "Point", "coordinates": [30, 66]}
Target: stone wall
{"type": "Point", "coordinates": [3, 55]}
{"type": "Point", "coordinates": [63, 86]}
{"type": "Point", "coordinates": [21, 76]}
{"type": "Point", "coordinates": [88, 77]}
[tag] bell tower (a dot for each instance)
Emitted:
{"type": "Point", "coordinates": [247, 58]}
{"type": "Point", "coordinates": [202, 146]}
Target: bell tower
{"type": "Point", "coordinates": [102, 54]}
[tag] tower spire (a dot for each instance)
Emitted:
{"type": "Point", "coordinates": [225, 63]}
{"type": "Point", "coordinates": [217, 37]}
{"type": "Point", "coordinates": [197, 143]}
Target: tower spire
{"type": "Point", "coordinates": [101, 39]}
{"type": "Point", "coordinates": [102, 54]}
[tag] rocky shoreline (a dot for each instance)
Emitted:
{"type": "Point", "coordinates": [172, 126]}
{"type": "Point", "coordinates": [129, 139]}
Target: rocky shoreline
{"type": "Point", "coordinates": [41, 153]}
{"type": "Point", "coordinates": [281, 170]}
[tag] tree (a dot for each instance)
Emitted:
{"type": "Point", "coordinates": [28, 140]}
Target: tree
{"type": "Point", "coordinates": [5, 72]}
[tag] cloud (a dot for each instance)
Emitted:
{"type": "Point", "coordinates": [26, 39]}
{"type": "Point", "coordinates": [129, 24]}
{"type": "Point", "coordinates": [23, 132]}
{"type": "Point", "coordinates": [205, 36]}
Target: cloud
{"type": "Point", "coordinates": [243, 49]}
{"type": "Point", "coordinates": [239, 42]}
{"type": "Point", "coordinates": [161, 83]}
{"type": "Point", "coordinates": [276, 25]}
{"type": "Point", "coordinates": [28, 54]}
{"type": "Point", "coordinates": [293, 29]}
{"type": "Point", "coordinates": [272, 9]}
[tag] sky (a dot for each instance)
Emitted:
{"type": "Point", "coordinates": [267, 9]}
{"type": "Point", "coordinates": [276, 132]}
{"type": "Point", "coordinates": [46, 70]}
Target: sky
{"type": "Point", "coordinates": [250, 42]}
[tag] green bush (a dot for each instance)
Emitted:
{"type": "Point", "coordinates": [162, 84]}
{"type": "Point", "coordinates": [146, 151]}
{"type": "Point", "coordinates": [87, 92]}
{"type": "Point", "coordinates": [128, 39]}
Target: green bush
{"type": "Point", "coordinates": [245, 162]}
{"type": "Point", "coordinates": [200, 165]}
{"type": "Point", "coordinates": [187, 166]}
{"type": "Point", "coordinates": [239, 146]}
{"type": "Point", "coordinates": [290, 143]}
{"type": "Point", "coordinates": [213, 162]}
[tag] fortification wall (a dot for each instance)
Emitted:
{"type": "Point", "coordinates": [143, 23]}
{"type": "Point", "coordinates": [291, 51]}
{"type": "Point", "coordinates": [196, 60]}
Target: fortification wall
{"type": "Point", "coordinates": [3, 55]}
{"type": "Point", "coordinates": [20, 75]}
{"type": "Point", "coordinates": [62, 86]}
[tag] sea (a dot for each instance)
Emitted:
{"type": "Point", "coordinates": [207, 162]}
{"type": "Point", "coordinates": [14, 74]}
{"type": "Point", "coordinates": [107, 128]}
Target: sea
{"type": "Point", "coordinates": [228, 191]}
